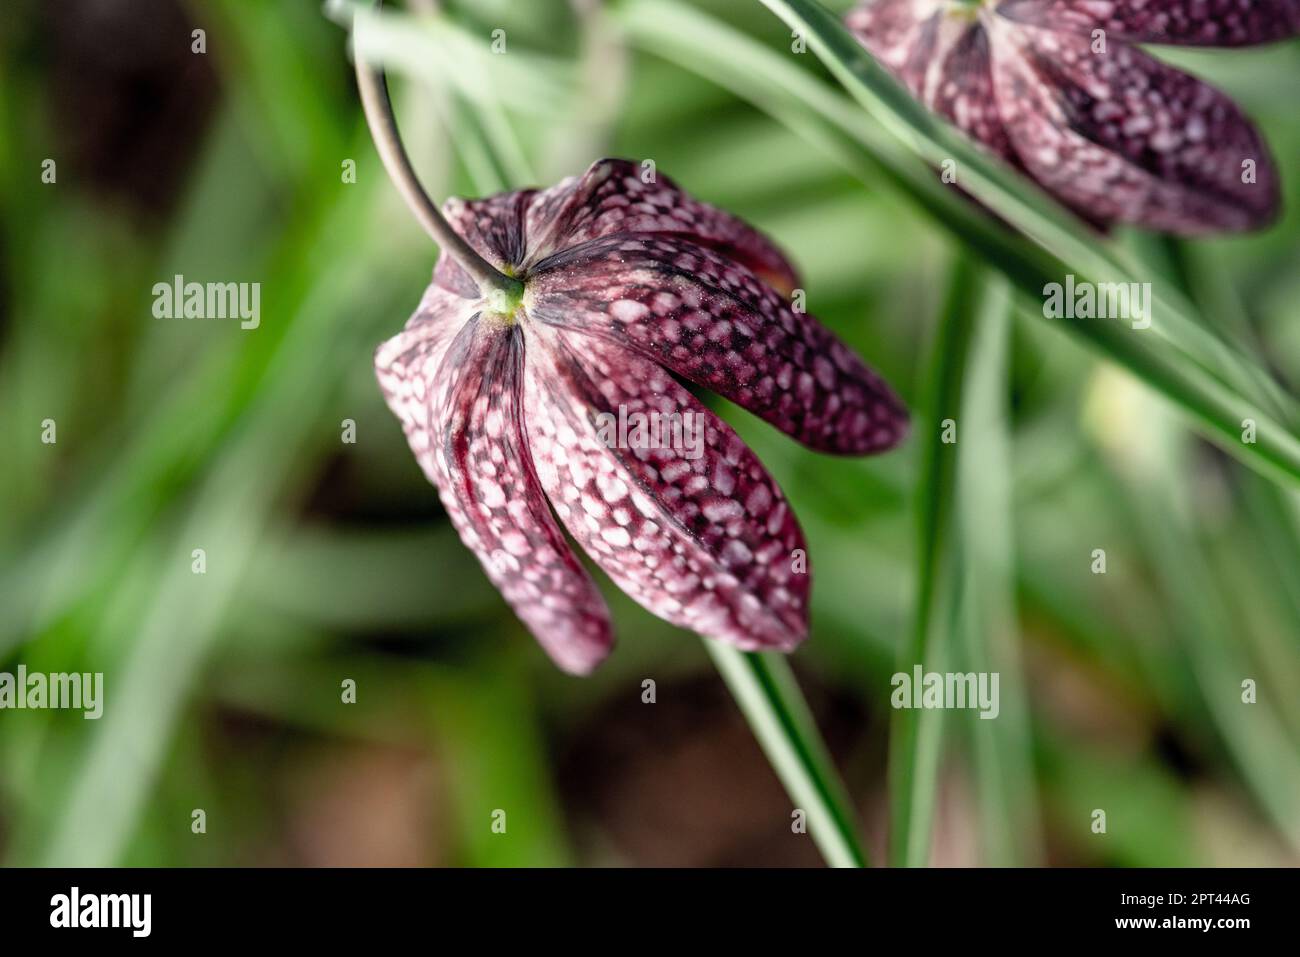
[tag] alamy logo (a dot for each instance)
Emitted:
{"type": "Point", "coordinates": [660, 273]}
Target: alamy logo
{"type": "Point", "coordinates": [683, 431]}
{"type": "Point", "coordinates": [75, 909]}
{"type": "Point", "coordinates": [179, 299]}
{"type": "Point", "coordinates": [1108, 300]}
{"type": "Point", "coordinates": [81, 691]}
{"type": "Point", "coordinates": [947, 689]}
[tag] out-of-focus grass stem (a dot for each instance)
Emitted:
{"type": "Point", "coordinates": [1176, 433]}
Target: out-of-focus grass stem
{"type": "Point", "coordinates": [915, 735]}
{"type": "Point", "coordinates": [766, 691]}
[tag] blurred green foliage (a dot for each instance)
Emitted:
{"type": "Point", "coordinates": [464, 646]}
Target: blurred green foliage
{"type": "Point", "coordinates": [328, 561]}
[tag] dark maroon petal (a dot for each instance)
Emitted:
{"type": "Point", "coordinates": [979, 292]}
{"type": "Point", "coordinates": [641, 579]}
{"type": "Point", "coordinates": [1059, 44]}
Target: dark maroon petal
{"type": "Point", "coordinates": [407, 364]}
{"type": "Point", "coordinates": [1127, 138]}
{"type": "Point", "coordinates": [611, 197]}
{"type": "Point", "coordinates": [481, 464]}
{"type": "Point", "coordinates": [942, 58]}
{"type": "Point", "coordinates": [493, 226]}
{"type": "Point", "coordinates": [711, 321]}
{"type": "Point", "coordinates": [695, 529]}
{"type": "Point", "coordinates": [1209, 23]}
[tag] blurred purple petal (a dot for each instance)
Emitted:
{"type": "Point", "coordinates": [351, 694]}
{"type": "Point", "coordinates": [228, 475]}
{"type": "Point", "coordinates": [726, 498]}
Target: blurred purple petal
{"type": "Point", "coordinates": [491, 493]}
{"type": "Point", "coordinates": [1111, 132]}
{"type": "Point", "coordinates": [902, 34]}
{"type": "Point", "coordinates": [494, 227]}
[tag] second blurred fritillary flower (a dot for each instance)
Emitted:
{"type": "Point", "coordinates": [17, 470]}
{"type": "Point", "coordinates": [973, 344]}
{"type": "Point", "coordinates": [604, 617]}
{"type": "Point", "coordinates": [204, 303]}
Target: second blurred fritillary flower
{"type": "Point", "coordinates": [505, 402]}
{"type": "Point", "coordinates": [1055, 88]}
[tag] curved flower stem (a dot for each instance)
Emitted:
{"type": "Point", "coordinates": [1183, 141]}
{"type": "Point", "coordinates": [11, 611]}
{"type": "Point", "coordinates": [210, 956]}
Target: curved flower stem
{"type": "Point", "coordinates": [373, 86]}
{"type": "Point", "coordinates": [763, 685]}
{"type": "Point", "coordinates": [765, 688]}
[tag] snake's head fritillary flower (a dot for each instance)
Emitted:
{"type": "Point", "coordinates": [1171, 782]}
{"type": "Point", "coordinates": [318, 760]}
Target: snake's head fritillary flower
{"type": "Point", "coordinates": [524, 409]}
{"type": "Point", "coordinates": [1055, 88]}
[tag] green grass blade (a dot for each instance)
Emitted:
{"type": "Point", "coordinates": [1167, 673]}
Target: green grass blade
{"type": "Point", "coordinates": [1213, 384]}
{"type": "Point", "coordinates": [915, 736]}
{"type": "Point", "coordinates": [766, 691]}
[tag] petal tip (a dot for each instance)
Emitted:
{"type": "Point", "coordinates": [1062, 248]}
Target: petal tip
{"type": "Point", "coordinates": [579, 657]}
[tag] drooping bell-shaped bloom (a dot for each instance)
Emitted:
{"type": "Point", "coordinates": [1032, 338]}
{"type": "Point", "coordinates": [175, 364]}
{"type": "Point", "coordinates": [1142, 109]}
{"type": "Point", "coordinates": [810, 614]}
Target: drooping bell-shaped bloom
{"type": "Point", "coordinates": [1056, 88]}
{"type": "Point", "coordinates": [524, 411]}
